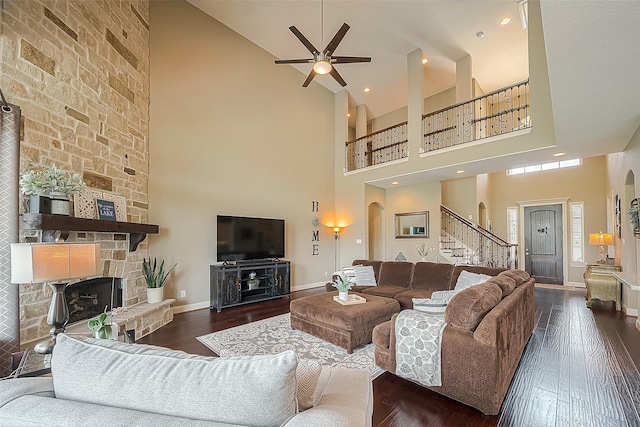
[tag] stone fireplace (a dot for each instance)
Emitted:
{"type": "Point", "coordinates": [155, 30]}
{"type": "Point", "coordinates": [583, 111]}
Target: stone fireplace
{"type": "Point", "coordinates": [89, 298]}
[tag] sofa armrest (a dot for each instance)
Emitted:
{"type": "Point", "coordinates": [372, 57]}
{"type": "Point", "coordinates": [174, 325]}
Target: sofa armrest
{"type": "Point", "coordinates": [12, 389]}
{"type": "Point", "coordinates": [345, 400]}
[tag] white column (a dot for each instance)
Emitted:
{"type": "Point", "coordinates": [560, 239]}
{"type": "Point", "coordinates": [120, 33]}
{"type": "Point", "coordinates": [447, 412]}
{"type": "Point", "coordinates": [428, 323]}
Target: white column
{"type": "Point", "coordinates": [361, 120]}
{"type": "Point", "coordinates": [415, 103]}
{"type": "Point", "coordinates": [464, 79]}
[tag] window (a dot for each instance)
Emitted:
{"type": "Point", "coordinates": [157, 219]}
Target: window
{"type": "Point", "coordinates": [512, 225]}
{"type": "Point", "coordinates": [544, 167]}
{"type": "Point", "coordinates": [577, 232]}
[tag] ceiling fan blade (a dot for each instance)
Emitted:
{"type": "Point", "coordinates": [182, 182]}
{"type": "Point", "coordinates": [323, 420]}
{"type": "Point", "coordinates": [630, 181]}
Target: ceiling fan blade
{"type": "Point", "coordinates": [294, 61]}
{"type": "Point", "coordinates": [304, 40]}
{"type": "Point", "coordinates": [337, 76]}
{"type": "Point", "coordinates": [335, 41]}
{"type": "Point", "coordinates": [310, 77]}
{"type": "Point", "coordinates": [349, 59]}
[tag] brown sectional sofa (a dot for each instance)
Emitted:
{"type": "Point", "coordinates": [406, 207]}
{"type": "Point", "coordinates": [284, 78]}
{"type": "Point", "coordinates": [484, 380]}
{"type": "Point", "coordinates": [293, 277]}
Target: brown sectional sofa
{"type": "Point", "coordinates": [488, 326]}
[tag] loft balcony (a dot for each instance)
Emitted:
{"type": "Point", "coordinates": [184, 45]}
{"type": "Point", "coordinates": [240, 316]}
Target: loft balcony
{"type": "Point", "coordinates": [493, 114]}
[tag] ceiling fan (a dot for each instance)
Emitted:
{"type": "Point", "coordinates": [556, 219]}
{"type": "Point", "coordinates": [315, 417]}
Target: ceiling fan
{"type": "Point", "coordinates": [323, 61]}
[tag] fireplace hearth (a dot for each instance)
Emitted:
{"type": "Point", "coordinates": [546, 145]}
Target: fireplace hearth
{"type": "Point", "coordinates": [88, 298]}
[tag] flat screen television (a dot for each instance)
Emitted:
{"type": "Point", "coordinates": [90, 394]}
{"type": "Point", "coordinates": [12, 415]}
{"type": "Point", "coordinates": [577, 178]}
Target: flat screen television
{"type": "Point", "coordinates": [243, 238]}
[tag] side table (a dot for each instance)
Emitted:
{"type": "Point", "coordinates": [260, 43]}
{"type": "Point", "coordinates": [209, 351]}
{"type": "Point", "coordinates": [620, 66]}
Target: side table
{"type": "Point", "coordinates": [602, 284]}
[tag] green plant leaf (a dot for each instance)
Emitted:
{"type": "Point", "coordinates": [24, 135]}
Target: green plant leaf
{"type": "Point", "coordinates": [105, 332]}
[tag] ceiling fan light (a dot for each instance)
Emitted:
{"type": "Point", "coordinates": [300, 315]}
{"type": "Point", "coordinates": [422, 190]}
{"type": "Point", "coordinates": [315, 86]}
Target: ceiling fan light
{"type": "Point", "coordinates": [322, 67]}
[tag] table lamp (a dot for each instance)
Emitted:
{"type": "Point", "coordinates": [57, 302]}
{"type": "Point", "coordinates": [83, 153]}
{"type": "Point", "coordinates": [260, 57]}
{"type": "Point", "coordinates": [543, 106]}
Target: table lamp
{"type": "Point", "coordinates": [601, 239]}
{"type": "Point", "coordinates": [54, 264]}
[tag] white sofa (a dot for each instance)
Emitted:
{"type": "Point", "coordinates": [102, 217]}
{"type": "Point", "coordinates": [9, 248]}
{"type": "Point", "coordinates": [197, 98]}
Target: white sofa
{"type": "Point", "coordinates": [103, 382]}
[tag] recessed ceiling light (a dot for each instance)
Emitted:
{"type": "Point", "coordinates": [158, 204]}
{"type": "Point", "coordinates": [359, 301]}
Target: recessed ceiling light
{"type": "Point", "coordinates": [505, 20]}
{"type": "Point", "coordinates": [460, 171]}
{"type": "Point", "coordinates": [558, 154]}
{"type": "Point", "coordinates": [394, 183]}
{"type": "Point", "coordinates": [366, 89]}
{"type": "Point", "coordinates": [425, 60]}
{"type": "Point", "coordinates": [480, 34]}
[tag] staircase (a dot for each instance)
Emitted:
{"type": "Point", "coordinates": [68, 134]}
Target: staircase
{"type": "Point", "coordinates": [462, 242]}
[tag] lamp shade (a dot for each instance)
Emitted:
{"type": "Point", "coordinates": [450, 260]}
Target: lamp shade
{"type": "Point", "coordinates": [601, 239]}
{"type": "Point", "coordinates": [49, 262]}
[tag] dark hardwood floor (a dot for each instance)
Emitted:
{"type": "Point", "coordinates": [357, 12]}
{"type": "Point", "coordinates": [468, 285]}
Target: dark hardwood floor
{"type": "Point", "coordinates": [580, 367]}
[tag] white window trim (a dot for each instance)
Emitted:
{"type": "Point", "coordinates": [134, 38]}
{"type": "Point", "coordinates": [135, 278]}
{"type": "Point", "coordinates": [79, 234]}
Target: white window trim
{"type": "Point", "coordinates": [571, 262]}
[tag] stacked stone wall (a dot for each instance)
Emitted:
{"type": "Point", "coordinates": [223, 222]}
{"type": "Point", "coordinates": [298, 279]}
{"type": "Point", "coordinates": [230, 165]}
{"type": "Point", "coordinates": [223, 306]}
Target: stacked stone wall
{"type": "Point", "coordinates": [79, 70]}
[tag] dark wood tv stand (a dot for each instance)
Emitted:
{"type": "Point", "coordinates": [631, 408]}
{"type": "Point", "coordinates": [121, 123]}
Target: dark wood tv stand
{"type": "Point", "coordinates": [230, 287]}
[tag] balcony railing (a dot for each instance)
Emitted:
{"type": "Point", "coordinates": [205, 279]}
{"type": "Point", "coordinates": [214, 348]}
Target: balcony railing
{"type": "Point", "coordinates": [377, 148]}
{"type": "Point", "coordinates": [496, 113]}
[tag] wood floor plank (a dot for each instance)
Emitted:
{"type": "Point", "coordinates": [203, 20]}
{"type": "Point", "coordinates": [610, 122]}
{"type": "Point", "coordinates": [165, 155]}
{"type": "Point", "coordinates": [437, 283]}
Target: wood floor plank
{"type": "Point", "coordinates": [580, 367]}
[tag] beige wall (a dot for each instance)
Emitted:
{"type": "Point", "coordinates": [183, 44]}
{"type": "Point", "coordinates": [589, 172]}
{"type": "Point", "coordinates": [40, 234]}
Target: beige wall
{"type": "Point", "coordinates": [223, 140]}
{"type": "Point", "coordinates": [459, 195]}
{"type": "Point", "coordinates": [413, 198]}
{"type": "Point", "coordinates": [624, 180]}
{"type": "Point", "coordinates": [583, 183]}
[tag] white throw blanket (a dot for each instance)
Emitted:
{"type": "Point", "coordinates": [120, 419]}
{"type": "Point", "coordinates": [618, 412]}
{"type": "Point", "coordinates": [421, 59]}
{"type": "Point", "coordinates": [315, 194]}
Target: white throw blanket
{"type": "Point", "coordinates": [418, 347]}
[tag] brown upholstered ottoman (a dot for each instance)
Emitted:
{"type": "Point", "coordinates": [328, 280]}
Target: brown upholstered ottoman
{"type": "Point", "coordinates": [347, 326]}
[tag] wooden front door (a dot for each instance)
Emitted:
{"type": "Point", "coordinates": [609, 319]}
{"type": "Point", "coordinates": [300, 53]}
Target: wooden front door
{"type": "Point", "coordinates": [543, 243]}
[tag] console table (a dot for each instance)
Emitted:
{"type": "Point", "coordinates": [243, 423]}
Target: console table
{"type": "Point", "coordinates": [230, 282]}
{"type": "Point", "coordinates": [602, 284]}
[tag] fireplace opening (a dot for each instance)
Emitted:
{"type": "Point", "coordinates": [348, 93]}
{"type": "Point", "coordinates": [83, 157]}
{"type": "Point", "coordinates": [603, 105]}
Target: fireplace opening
{"type": "Point", "coordinates": [88, 298]}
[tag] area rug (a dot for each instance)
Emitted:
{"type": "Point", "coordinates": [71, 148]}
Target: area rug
{"type": "Point", "coordinates": [274, 335]}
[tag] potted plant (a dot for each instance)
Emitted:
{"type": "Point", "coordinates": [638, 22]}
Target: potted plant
{"type": "Point", "coordinates": [155, 279]}
{"type": "Point", "coordinates": [343, 288]}
{"type": "Point", "coordinates": [53, 183]}
{"type": "Point", "coordinates": [99, 326]}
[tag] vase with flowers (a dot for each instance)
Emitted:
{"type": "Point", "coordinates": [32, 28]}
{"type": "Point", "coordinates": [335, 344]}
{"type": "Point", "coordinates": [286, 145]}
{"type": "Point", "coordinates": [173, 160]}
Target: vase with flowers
{"type": "Point", "coordinates": [424, 251]}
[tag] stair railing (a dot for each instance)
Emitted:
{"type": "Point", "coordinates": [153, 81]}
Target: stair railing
{"type": "Point", "coordinates": [475, 244]}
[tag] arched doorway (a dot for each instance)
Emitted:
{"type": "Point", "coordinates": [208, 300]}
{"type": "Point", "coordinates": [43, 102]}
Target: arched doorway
{"type": "Point", "coordinates": [376, 231]}
{"type": "Point", "coordinates": [482, 215]}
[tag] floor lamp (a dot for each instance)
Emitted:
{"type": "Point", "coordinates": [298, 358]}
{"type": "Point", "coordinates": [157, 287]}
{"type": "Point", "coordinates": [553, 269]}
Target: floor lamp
{"type": "Point", "coordinates": [54, 264]}
{"type": "Point", "coordinates": [336, 238]}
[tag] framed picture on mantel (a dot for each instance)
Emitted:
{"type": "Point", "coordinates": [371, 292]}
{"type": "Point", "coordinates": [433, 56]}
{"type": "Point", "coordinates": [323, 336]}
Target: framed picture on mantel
{"type": "Point", "coordinates": [106, 210]}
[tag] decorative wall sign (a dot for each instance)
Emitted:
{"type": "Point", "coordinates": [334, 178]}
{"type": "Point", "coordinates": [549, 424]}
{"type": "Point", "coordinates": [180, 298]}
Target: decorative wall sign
{"type": "Point", "coordinates": [106, 210]}
{"type": "Point", "coordinates": [84, 204]}
{"type": "Point", "coordinates": [618, 208]}
{"type": "Point", "coordinates": [315, 234]}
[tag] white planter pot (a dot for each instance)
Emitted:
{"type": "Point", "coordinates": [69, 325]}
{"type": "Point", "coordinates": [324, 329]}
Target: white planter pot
{"type": "Point", "coordinates": [59, 203]}
{"type": "Point", "coordinates": [155, 295]}
{"type": "Point", "coordinates": [344, 296]}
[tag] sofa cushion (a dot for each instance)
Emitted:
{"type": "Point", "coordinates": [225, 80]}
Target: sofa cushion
{"type": "Point", "coordinates": [262, 388]}
{"type": "Point", "coordinates": [520, 276]}
{"type": "Point", "coordinates": [468, 307]}
{"type": "Point", "coordinates": [506, 283]}
{"type": "Point", "coordinates": [432, 276]}
{"type": "Point", "coordinates": [383, 291]}
{"type": "Point", "coordinates": [307, 375]}
{"type": "Point", "coordinates": [405, 298]}
{"type": "Point", "coordinates": [398, 274]}
{"type": "Point", "coordinates": [467, 278]}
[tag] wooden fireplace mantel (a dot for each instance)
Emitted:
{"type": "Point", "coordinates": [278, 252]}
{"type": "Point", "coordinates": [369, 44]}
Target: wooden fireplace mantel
{"type": "Point", "coordinates": [55, 226]}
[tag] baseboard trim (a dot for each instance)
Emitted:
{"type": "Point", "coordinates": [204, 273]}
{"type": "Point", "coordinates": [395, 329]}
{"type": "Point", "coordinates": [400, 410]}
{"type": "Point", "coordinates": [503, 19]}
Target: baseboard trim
{"type": "Point", "coordinates": [308, 286]}
{"type": "Point", "coordinates": [630, 312]}
{"type": "Point", "coordinates": [190, 307]}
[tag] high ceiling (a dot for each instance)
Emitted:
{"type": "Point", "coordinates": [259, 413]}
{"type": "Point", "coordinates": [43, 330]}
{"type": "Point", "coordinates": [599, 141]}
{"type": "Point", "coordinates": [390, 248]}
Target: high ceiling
{"type": "Point", "coordinates": [592, 55]}
{"type": "Point", "coordinates": [387, 31]}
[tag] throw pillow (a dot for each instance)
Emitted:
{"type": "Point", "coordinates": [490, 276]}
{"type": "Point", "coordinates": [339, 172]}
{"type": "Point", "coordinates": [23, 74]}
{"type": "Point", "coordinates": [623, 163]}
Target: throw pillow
{"type": "Point", "coordinates": [365, 275]}
{"type": "Point", "coordinates": [307, 375]}
{"type": "Point", "coordinates": [468, 278]}
{"type": "Point", "coordinates": [349, 274]}
{"type": "Point", "coordinates": [262, 388]}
